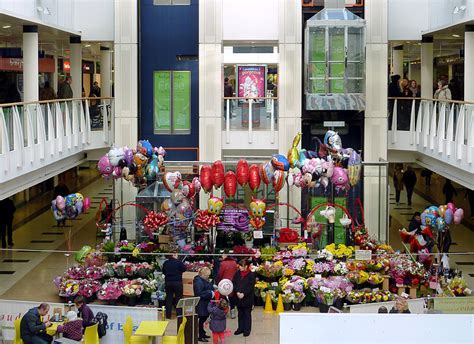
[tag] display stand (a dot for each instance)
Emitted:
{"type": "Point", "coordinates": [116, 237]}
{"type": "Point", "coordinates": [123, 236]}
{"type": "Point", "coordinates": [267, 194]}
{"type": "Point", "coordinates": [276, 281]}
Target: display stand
{"type": "Point", "coordinates": [188, 310]}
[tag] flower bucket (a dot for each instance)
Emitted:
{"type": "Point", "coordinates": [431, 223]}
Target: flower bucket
{"type": "Point", "coordinates": [323, 308]}
{"type": "Point", "coordinates": [131, 301]}
{"type": "Point", "coordinates": [287, 306]}
{"type": "Point", "coordinates": [297, 306]}
{"type": "Point", "coordinates": [145, 298]}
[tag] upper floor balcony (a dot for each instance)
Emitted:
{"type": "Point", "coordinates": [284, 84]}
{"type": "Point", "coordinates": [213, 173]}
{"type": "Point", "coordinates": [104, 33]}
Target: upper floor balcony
{"type": "Point", "coordinates": [34, 135]}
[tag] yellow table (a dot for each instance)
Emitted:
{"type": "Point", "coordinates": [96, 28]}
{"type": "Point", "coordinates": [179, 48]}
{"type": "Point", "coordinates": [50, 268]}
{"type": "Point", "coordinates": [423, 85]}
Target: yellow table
{"type": "Point", "coordinates": [151, 329]}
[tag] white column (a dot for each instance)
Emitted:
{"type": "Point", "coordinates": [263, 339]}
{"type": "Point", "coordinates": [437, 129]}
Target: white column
{"type": "Point", "coordinates": [289, 88]}
{"type": "Point", "coordinates": [469, 63]}
{"type": "Point", "coordinates": [105, 72]}
{"type": "Point", "coordinates": [397, 54]}
{"type": "Point", "coordinates": [427, 67]}
{"type": "Point", "coordinates": [76, 66]}
{"type": "Point", "coordinates": [375, 122]}
{"type": "Point", "coordinates": [30, 63]}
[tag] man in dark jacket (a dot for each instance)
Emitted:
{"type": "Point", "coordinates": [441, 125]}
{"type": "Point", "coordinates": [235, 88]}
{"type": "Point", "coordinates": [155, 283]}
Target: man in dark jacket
{"type": "Point", "coordinates": [409, 179]}
{"type": "Point", "coordinates": [7, 211]}
{"type": "Point", "coordinates": [244, 284]}
{"type": "Point", "coordinates": [32, 329]}
{"type": "Point", "coordinates": [84, 312]}
{"type": "Point", "coordinates": [173, 270]}
{"type": "Point", "coordinates": [205, 291]}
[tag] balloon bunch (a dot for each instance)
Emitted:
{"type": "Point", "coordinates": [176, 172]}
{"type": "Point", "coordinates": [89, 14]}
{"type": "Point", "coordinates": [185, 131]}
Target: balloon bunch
{"type": "Point", "coordinates": [153, 221]}
{"type": "Point", "coordinates": [135, 165]}
{"type": "Point", "coordinates": [206, 219]}
{"type": "Point", "coordinates": [439, 217]}
{"type": "Point", "coordinates": [70, 206]}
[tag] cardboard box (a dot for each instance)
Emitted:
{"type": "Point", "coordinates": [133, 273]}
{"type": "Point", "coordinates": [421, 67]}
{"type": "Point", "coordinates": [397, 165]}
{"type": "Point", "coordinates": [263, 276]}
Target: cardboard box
{"type": "Point", "coordinates": [188, 278]}
{"type": "Point", "coordinates": [164, 239]}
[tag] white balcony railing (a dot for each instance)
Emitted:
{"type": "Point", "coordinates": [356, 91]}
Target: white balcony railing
{"type": "Point", "coordinates": [36, 134]}
{"type": "Point", "coordinates": [440, 129]}
{"type": "Point", "coordinates": [250, 115]}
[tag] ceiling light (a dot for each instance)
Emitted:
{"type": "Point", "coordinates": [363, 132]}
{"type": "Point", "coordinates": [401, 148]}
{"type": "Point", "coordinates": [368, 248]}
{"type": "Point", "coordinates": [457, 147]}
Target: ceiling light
{"type": "Point", "coordinates": [456, 35]}
{"type": "Point", "coordinates": [87, 45]}
{"type": "Point", "coordinates": [6, 26]}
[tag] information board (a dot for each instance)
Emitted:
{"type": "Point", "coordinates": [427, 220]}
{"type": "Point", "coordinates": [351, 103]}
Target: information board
{"type": "Point", "coordinates": [162, 101]}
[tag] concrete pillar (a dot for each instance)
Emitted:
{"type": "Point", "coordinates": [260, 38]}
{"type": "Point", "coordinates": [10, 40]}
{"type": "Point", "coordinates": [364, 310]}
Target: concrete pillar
{"type": "Point", "coordinates": [375, 122]}
{"type": "Point", "coordinates": [30, 63]}
{"type": "Point", "coordinates": [469, 63]}
{"type": "Point", "coordinates": [76, 66]}
{"type": "Point", "coordinates": [105, 72]}
{"type": "Point", "coordinates": [397, 60]}
{"type": "Point", "coordinates": [427, 67]}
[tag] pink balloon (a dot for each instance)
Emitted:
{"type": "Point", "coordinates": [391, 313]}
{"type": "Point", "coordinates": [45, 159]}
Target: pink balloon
{"type": "Point", "coordinates": [87, 203]}
{"type": "Point", "coordinates": [451, 206]}
{"type": "Point", "coordinates": [458, 216]}
{"type": "Point", "coordinates": [60, 203]}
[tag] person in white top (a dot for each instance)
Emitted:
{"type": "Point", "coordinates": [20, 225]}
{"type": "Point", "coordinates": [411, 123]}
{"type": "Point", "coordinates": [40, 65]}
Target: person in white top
{"type": "Point", "coordinates": [443, 92]}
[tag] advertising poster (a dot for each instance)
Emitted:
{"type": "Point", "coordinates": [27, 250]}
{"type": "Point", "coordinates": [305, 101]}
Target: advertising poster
{"type": "Point", "coordinates": [182, 101]}
{"type": "Point", "coordinates": [251, 81]}
{"type": "Point", "coordinates": [162, 101]}
{"type": "Point", "coordinates": [234, 220]}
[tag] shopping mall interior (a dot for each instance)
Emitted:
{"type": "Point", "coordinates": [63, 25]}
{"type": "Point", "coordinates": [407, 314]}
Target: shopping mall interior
{"type": "Point", "coordinates": [287, 158]}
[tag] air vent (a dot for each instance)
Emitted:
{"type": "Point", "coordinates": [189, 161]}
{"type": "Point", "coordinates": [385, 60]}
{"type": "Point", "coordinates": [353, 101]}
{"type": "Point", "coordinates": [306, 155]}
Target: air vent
{"type": "Point", "coordinates": [253, 50]}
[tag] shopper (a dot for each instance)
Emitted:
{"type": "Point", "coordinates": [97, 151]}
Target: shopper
{"type": "Point", "coordinates": [244, 283]}
{"type": "Point", "coordinates": [228, 89]}
{"type": "Point", "coordinates": [382, 310]}
{"type": "Point", "coordinates": [427, 174]}
{"type": "Point", "coordinates": [72, 329]}
{"type": "Point", "coordinates": [84, 312]}
{"type": "Point", "coordinates": [173, 270]}
{"type": "Point", "coordinates": [413, 89]}
{"type": "Point", "coordinates": [227, 269]}
{"type": "Point", "coordinates": [47, 92]}
{"type": "Point", "coordinates": [443, 92]}
{"type": "Point", "coordinates": [415, 223]}
{"type": "Point", "coordinates": [95, 91]}
{"type": "Point", "coordinates": [401, 306]}
{"type": "Point", "coordinates": [470, 197]}
{"type": "Point", "coordinates": [12, 96]}
{"type": "Point", "coordinates": [7, 211]}
{"type": "Point", "coordinates": [218, 311]}
{"type": "Point", "coordinates": [64, 89]}
{"type": "Point", "coordinates": [449, 191]}
{"type": "Point", "coordinates": [394, 86]}
{"type": "Point", "coordinates": [409, 180]}
{"type": "Point", "coordinates": [455, 91]}
{"type": "Point", "coordinates": [398, 182]}
{"type": "Point", "coordinates": [203, 289]}
{"type": "Point", "coordinates": [32, 329]}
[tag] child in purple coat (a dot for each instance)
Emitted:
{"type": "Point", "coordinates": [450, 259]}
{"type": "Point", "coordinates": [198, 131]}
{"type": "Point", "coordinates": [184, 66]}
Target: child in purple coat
{"type": "Point", "coordinates": [218, 310]}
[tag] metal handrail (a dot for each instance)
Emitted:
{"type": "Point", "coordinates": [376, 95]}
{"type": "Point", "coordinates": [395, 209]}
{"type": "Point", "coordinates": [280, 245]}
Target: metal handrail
{"type": "Point", "coordinates": [249, 98]}
{"type": "Point", "coordinates": [432, 99]}
{"type": "Point", "coordinates": [54, 101]}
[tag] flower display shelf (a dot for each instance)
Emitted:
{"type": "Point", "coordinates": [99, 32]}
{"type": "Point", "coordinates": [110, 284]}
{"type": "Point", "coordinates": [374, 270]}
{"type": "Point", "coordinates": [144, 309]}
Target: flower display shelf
{"type": "Point", "coordinates": [404, 288]}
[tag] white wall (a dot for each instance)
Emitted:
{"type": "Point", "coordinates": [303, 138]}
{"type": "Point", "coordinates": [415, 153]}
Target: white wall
{"type": "Point", "coordinates": [407, 18]}
{"type": "Point", "coordinates": [441, 12]}
{"type": "Point", "coordinates": [250, 20]}
{"type": "Point", "coordinates": [95, 19]}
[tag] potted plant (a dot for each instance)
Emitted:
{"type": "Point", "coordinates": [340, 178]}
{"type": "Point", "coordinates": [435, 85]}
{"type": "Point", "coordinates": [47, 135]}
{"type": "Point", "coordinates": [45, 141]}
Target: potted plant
{"type": "Point", "coordinates": [132, 292]}
{"type": "Point", "coordinates": [287, 300]}
{"type": "Point", "coordinates": [298, 300]}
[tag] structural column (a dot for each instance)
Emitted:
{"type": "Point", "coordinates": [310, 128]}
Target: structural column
{"type": "Point", "coordinates": [54, 83]}
{"type": "Point", "coordinates": [469, 63]}
{"type": "Point", "coordinates": [105, 72]}
{"type": "Point", "coordinates": [375, 121]}
{"type": "Point", "coordinates": [427, 67]}
{"type": "Point", "coordinates": [397, 57]}
{"type": "Point", "coordinates": [76, 66]}
{"type": "Point", "coordinates": [30, 63]}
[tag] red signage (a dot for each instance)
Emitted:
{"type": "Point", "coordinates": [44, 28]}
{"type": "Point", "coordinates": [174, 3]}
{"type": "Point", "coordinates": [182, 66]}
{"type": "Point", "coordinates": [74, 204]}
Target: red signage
{"type": "Point", "coordinates": [46, 65]}
{"type": "Point", "coordinates": [66, 66]}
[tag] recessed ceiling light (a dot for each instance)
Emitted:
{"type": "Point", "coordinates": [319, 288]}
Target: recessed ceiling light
{"type": "Point", "coordinates": [456, 35]}
{"type": "Point", "coordinates": [6, 26]}
{"type": "Point", "coordinates": [87, 45]}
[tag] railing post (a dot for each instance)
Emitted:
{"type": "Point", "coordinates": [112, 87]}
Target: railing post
{"type": "Point", "coordinates": [470, 136]}
{"type": "Point", "coordinates": [441, 128]}
{"type": "Point", "coordinates": [433, 119]}
{"type": "Point", "coordinates": [412, 122]}
{"type": "Point", "coordinates": [250, 120]}
{"type": "Point", "coordinates": [459, 139]}
{"type": "Point", "coordinates": [87, 129]}
{"type": "Point", "coordinates": [227, 121]}
{"type": "Point", "coordinates": [450, 131]}
{"type": "Point", "coordinates": [41, 131]}
{"type": "Point", "coordinates": [105, 125]}
{"type": "Point", "coordinates": [60, 126]}
{"type": "Point", "coordinates": [419, 122]}
{"type": "Point", "coordinates": [425, 131]}
{"type": "Point", "coordinates": [5, 161]}
{"type": "Point", "coordinates": [272, 119]}
{"type": "Point", "coordinates": [394, 121]}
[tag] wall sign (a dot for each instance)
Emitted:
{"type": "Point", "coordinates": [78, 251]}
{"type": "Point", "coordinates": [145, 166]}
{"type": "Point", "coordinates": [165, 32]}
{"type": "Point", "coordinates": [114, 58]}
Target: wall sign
{"type": "Point", "coordinates": [162, 101]}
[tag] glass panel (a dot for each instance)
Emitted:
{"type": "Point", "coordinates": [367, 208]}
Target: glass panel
{"type": "Point", "coordinates": [336, 86]}
{"type": "Point", "coordinates": [355, 85]}
{"type": "Point", "coordinates": [182, 101]}
{"type": "Point", "coordinates": [317, 45]}
{"type": "Point", "coordinates": [355, 70]}
{"type": "Point", "coordinates": [239, 114]}
{"type": "Point", "coordinates": [162, 101]}
{"type": "Point", "coordinates": [336, 44]}
{"type": "Point", "coordinates": [355, 44]}
{"type": "Point", "coordinates": [318, 86]}
{"type": "Point", "coordinates": [318, 69]}
{"type": "Point", "coordinates": [336, 70]}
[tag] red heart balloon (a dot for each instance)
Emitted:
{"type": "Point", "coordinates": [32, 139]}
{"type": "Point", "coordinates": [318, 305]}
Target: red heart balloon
{"type": "Point", "coordinates": [230, 184]}
{"type": "Point", "coordinates": [242, 172]}
{"type": "Point", "coordinates": [217, 175]}
{"type": "Point", "coordinates": [205, 178]}
{"type": "Point", "coordinates": [278, 180]}
{"type": "Point", "coordinates": [188, 189]}
{"type": "Point", "coordinates": [254, 177]}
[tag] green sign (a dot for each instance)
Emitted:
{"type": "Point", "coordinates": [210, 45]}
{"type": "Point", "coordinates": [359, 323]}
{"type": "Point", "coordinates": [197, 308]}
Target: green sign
{"type": "Point", "coordinates": [182, 101]}
{"type": "Point", "coordinates": [318, 46]}
{"type": "Point", "coordinates": [454, 305]}
{"type": "Point", "coordinates": [336, 45]}
{"type": "Point", "coordinates": [162, 101]}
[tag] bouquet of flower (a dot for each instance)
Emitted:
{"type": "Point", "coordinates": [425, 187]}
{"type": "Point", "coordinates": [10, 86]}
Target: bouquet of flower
{"type": "Point", "coordinates": [110, 290]}
{"type": "Point", "coordinates": [196, 266]}
{"type": "Point", "coordinates": [338, 284]}
{"type": "Point", "coordinates": [125, 246]}
{"type": "Point", "coordinates": [144, 269]}
{"type": "Point", "coordinates": [272, 292]}
{"type": "Point", "coordinates": [133, 288]}
{"type": "Point", "coordinates": [68, 288]}
{"type": "Point", "coordinates": [314, 283]}
{"type": "Point", "coordinates": [369, 296]}
{"type": "Point", "coordinates": [294, 284]}
{"type": "Point", "coordinates": [261, 287]}
{"type": "Point", "coordinates": [340, 251]}
{"type": "Point", "coordinates": [358, 277]}
{"type": "Point", "coordinates": [354, 265]}
{"type": "Point", "coordinates": [383, 248]}
{"type": "Point", "coordinates": [299, 250]}
{"type": "Point", "coordinates": [458, 287]}
{"type": "Point", "coordinates": [267, 253]}
{"type": "Point", "coordinates": [375, 278]}
{"type": "Point", "coordinates": [374, 265]}
{"type": "Point", "coordinates": [150, 285]}
{"type": "Point", "coordinates": [324, 268]}
{"type": "Point", "coordinates": [282, 255]}
{"type": "Point", "coordinates": [341, 269]}
{"type": "Point", "coordinates": [325, 296]}
{"type": "Point", "coordinates": [94, 272]}
{"type": "Point", "coordinates": [297, 265]}
{"type": "Point", "coordinates": [75, 273]}
{"type": "Point", "coordinates": [94, 258]}
{"type": "Point", "coordinates": [271, 270]}
{"type": "Point", "coordinates": [88, 287]}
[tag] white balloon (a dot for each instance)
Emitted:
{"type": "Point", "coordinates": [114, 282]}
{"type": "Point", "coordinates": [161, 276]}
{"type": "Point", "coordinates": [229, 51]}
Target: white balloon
{"type": "Point", "coordinates": [225, 287]}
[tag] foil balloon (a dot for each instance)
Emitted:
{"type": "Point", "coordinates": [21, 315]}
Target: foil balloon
{"type": "Point", "coordinates": [184, 210]}
{"type": "Point", "coordinates": [280, 162]}
{"type": "Point", "coordinates": [128, 155]}
{"type": "Point", "coordinates": [117, 172]}
{"type": "Point", "coordinates": [451, 206]}
{"type": "Point", "coordinates": [433, 210]}
{"type": "Point", "coordinates": [115, 155]}
{"type": "Point", "coordinates": [144, 147]}
{"type": "Point", "coordinates": [339, 178]}
{"type": "Point", "coordinates": [172, 180]}
{"type": "Point", "coordinates": [230, 184]}
{"type": "Point", "coordinates": [333, 140]}
{"type": "Point", "coordinates": [214, 205]}
{"type": "Point", "coordinates": [458, 216]}
{"type": "Point", "coordinates": [354, 167]}
{"type": "Point", "coordinates": [71, 199]}
{"type": "Point", "coordinates": [278, 180]}
{"type": "Point", "coordinates": [257, 212]}
{"type": "Point", "coordinates": [448, 216]}
{"type": "Point", "coordinates": [217, 175]}
{"type": "Point", "coordinates": [205, 178]}
{"type": "Point", "coordinates": [168, 207]}
{"type": "Point", "coordinates": [225, 287]}
{"type": "Point", "coordinates": [302, 158]}
{"type": "Point", "coordinates": [293, 153]}
{"type": "Point", "coordinates": [60, 202]}
{"type": "Point", "coordinates": [140, 161]}
{"type": "Point", "coordinates": [71, 211]}
{"type": "Point", "coordinates": [176, 196]}
{"type": "Point", "coordinates": [86, 203]}
{"type": "Point", "coordinates": [188, 189]}
{"type": "Point", "coordinates": [440, 224]}
{"type": "Point", "coordinates": [442, 210]}
{"type": "Point", "coordinates": [197, 184]}
{"type": "Point", "coordinates": [266, 172]}
{"type": "Point", "coordinates": [254, 177]}
{"type": "Point", "coordinates": [152, 169]}
{"type": "Point", "coordinates": [79, 197]}
{"type": "Point", "coordinates": [104, 166]}
{"type": "Point", "coordinates": [79, 206]}
{"type": "Point", "coordinates": [242, 172]}
{"type": "Point", "coordinates": [160, 151]}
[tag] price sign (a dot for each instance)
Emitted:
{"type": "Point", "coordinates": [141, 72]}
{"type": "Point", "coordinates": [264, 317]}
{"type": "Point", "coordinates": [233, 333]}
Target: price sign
{"type": "Point", "coordinates": [363, 255]}
{"type": "Point", "coordinates": [258, 234]}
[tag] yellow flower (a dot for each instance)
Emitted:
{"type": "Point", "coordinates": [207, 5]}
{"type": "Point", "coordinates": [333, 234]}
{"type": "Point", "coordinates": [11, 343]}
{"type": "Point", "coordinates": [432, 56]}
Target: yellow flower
{"type": "Point", "coordinates": [135, 252]}
{"type": "Point", "coordinates": [288, 272]}
{"type": "Point", "coordinates": [279, 262]}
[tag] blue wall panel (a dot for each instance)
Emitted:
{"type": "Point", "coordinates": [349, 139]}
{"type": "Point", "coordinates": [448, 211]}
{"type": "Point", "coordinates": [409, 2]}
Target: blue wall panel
{"type": "Point", "coordinates": [167, 31]}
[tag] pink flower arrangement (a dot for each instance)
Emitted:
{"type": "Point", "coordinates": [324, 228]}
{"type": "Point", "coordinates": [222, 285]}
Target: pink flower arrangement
{"type": "Point", "coordinates": [111, 290]}
{"type": "Point", "coordinates": [196, 266]}
{"type": "Point", "coordinates": [75, 272]}
{"type": "Point", "coordinates": [88, 287]}
{"type": "Point", "coordinates": [94, 272]}
{"type": "Point", "coordinates": [323, 267]}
